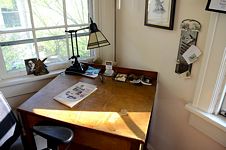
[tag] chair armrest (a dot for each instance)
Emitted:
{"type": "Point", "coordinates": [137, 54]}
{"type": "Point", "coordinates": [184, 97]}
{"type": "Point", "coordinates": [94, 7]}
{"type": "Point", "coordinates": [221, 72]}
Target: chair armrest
{"type": "Point", "coordinates": [54, 133]}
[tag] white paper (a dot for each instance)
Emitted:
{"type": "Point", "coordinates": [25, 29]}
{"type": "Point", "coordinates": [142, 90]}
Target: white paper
{"type": "Point", "coordinates": [218, 5]}
{"type": "Point", "coordinates": [192, 54]}
{"type": "Point", "coordinates": [75, 94]}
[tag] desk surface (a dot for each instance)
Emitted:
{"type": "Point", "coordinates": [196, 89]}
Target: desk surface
{"type": "Point", "coordinates": [101, 110]}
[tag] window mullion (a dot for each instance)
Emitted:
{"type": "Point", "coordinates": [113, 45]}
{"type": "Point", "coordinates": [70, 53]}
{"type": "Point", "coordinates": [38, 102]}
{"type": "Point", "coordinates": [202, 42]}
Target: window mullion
{"type": "Point", "coordinates": [66, 26]}
{"type": "Point", "coordinates": [15, 31]}
{"type": "Point", "coordinates": [33, 28]}
{"type": "Point", "coordinates": [90, 7]}
{"type": "Point", "coordinates": [17, 42]}
{"type": "Point", "coordinates": [40, 28]}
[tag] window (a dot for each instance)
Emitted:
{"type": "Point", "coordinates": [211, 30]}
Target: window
{"type": "Point", "coordinates": [36, 29]}
{"type": "Point", "coordinates": [209, 98]}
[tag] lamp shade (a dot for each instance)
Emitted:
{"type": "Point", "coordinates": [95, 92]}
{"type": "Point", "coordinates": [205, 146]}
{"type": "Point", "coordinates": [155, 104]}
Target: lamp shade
{"type": "Point", "coordinates": [96, 37]}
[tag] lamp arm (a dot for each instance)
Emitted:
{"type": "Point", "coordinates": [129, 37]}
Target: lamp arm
{"type": "Point", "coordinates": [76, 40]}
{"type": "Point", "coordinates": [72, 46]}
{"type": "Point", "coordinates": [74, 31]}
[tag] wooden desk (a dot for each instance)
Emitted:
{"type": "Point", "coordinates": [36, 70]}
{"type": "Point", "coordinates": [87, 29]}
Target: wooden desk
{"type": "Point", "coordinates": [96, 121]}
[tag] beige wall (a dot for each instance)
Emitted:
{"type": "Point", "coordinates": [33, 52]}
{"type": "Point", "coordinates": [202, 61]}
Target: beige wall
{"type": "Point", "coordinates": [143, 47]}
{"type": "Point", "coordinates": [104, 17]}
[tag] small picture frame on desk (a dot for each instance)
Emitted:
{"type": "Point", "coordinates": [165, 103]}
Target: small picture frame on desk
{"type": "Point", "coordinates": [30, 65]}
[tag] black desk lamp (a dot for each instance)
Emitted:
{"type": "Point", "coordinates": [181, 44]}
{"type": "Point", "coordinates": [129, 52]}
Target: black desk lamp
{"type": "Point", "coordinates": [96, 40]}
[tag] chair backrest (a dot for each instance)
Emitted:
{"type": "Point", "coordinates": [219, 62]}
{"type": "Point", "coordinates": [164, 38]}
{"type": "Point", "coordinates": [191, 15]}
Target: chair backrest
{"type": "Point", "coordinates": [10, 129]}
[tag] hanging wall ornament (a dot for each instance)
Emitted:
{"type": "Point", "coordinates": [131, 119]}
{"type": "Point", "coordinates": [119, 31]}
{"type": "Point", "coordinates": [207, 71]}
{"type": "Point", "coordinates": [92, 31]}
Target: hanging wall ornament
{"type": "Point", "coordinates": [189, 34]}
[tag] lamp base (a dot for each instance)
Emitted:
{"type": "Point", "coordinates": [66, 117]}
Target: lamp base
{"type": "Point", "coordinates": [76, 68]}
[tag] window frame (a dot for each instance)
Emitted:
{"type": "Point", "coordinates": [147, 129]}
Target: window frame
{"type": "Point", "coordinates": [214, 102]}
{"type": "Point", "coordinates": [210, 85]}
{"type": "Point", "coordinates": [53, 66]}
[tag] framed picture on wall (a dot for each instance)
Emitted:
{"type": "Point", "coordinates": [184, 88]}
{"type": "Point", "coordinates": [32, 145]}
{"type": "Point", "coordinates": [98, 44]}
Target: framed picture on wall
{"type": "Point", "coordinates": [216, 6]}
{"type": "Point", "coordinates": [160, 13]}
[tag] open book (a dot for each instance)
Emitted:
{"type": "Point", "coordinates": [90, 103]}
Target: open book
{"type": "Point", "coordinates": [75, 94]}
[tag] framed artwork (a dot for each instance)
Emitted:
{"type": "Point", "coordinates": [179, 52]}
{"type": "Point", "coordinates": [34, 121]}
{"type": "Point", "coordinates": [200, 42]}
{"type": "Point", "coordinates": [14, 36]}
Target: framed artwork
{"type": "Point", "coordinates": [30, 65]}
{"type": "Point", "coordinates": [160, 13]}
{"type": "Point", "coordinates": [216, 6]}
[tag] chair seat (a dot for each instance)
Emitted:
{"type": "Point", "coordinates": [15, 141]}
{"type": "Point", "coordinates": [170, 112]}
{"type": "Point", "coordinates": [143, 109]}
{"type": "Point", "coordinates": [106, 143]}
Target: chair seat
{"type": "Point", "coordinates": [55, 133]}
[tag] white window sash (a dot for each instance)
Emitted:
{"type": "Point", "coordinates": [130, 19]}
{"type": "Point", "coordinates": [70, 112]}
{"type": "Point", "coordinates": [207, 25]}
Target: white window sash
{"type": "Point", "coordinates": [33, 28]}
{"type": "Point", "coordinates": [49, 38]}
{"type": "Point", "coordinates": [4, 74]}
{"type": "Point", "coordinates": [41, 28]}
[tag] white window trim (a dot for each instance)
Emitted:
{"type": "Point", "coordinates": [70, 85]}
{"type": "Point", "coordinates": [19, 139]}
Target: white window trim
{"type": "Point", "coordinates": [204, 118]}
{"type": "Point", "coordinates": [216, 120]}
{"type": "Point", "coordinates": [211, 125]}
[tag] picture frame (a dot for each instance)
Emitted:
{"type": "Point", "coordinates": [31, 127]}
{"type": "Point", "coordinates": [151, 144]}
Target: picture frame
{"type": "Point", "coordinates": [216, 6]}
{"type": "Point", "coordinates": [30, 65]}
{"type": "Point", "coordinates": [160, 13]}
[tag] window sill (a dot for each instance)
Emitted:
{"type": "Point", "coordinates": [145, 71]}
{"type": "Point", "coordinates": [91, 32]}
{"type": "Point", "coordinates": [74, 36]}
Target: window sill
{"type": "Point", "coordinates": [28, 78]}
{"type": "Point", "coordinates": [212, 125]}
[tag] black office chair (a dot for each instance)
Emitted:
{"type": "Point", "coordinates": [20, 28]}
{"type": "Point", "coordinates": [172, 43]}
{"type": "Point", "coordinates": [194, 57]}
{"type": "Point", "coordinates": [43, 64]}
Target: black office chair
{"type": "Point", "coordinates": [10, 130]}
